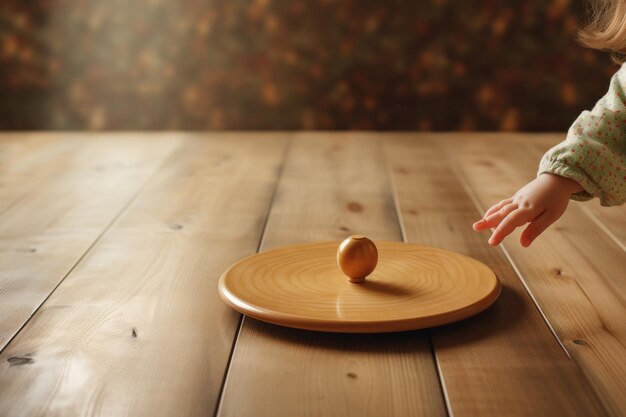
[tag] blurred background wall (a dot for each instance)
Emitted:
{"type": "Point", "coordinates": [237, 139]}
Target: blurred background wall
{"type": "Point", "coordinates": [295, 64]}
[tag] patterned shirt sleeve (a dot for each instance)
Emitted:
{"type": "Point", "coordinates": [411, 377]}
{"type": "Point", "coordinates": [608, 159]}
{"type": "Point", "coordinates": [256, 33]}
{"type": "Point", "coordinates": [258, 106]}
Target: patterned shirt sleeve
{"type": "Point", "coordinates": [594, 152]}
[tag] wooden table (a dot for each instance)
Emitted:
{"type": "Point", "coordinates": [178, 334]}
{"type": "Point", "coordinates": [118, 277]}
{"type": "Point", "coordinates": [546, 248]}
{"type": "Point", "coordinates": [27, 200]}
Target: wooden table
{"type": "Point", "coordinates": [111, 246]}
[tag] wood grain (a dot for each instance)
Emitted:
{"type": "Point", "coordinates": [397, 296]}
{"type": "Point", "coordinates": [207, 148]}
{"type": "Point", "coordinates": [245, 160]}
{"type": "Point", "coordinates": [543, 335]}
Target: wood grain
{"type": "Point", "coordinates": [137, 328]}
{"type": "Point", "coordinates": [413, 287]}
{"type": "Point", "coordinates": [504, 362]}
{"type": "Point", "coordinates": [334, 185]}
{"type": "Point", "coordinates": [59, 194]}
{"type": "Point", "coordinates": [574, 271]}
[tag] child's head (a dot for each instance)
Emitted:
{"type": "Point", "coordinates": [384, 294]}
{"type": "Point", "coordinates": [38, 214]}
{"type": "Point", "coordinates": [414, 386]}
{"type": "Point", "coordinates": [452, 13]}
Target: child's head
{"type": "Point", "coordinates": [606, 29]}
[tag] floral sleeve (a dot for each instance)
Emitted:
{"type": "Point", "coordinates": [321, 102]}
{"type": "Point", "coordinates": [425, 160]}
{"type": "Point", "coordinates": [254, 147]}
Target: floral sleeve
{"type": "Point", "coordinates": [594, 152]}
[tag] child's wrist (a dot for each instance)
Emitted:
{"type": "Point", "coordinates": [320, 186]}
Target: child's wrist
{"type": "Point", "coordinates": [566, 184]}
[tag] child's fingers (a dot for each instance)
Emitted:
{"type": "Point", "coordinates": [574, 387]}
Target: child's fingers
{"type": "Point", "coordinates": [515, 219]}
{"type": "Point", "coordinates": [498, 206]}
{"type": "Point", "coordinates": [481, 224]}
{"type": "Point", "coordinates": [495, 218]}
{"type": "Point", "coordinates": [535, 228]}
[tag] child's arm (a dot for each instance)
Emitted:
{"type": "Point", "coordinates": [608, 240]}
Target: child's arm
{"type": "Point", "coordinates": [589, 163]}
{"type": "Point", "coordinates": [594, 153]}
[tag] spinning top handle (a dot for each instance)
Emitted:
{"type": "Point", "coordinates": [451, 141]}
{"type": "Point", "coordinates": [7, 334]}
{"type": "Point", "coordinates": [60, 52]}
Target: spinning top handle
{"type": "Point", "coordinates": [357, 257]}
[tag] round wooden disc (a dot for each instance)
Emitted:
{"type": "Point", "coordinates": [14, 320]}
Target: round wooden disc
{"type": "Point", "coordinates": [413, 287]}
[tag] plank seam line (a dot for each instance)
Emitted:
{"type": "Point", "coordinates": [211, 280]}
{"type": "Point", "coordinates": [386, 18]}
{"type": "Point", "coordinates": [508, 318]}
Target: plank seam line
{"type": "Point", "coordinates": [394, 192]}
{"type": "Point", "coordinates": [142, 187]}
{"type": "Point", "coordinates": [468, 190]}
{"type": "Point", "coordinates": [442, 382]}
{"type": "Point", "coordinates": [396, 203]}
{"type": "Point", "coordinates": [261, 243]}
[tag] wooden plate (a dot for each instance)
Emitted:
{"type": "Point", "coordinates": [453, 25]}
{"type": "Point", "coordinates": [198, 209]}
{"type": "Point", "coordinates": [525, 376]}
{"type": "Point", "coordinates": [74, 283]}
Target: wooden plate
{"type": "Point", "coordinates": [413, 287]}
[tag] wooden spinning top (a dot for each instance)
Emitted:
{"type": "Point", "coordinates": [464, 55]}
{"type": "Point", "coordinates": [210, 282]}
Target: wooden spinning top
{"type": "Point", "coordinates": [413, 286]}
{"type": "Point", "coordinates": [357, 257]}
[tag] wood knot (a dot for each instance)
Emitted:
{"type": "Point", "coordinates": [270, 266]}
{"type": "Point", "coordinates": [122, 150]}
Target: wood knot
{"type": "Point", "coordinates": [27, 250]}
{"type": "Point", "coordinates": [176, 226]}
{"type": "Point", "coordinates": [344, 229]}
{"type": "Point", "coordinates": [20, 360]}
{"type": "Point", "coordinates": [134, 333]}
{"type": "Point", "coordinates": [352, 375]}
{"type": "Point", "coordinates": [580, 342]}
{"type": "Point", "coordinates": [355, 207]}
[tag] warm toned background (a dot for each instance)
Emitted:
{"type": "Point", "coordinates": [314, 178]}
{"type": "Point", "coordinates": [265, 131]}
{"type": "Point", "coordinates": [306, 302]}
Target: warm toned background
{"type": "Point", "coordinates": [295, 64]}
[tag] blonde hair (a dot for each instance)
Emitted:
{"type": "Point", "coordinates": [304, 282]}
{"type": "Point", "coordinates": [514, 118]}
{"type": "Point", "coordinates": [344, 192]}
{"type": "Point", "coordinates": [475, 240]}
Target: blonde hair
{"type": "Point", "coordinates": [606, 28]}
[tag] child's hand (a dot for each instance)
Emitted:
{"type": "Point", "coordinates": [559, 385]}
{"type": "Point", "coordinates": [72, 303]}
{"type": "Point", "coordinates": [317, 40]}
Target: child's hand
{"type": "Point", "coordinates": [540, 202]}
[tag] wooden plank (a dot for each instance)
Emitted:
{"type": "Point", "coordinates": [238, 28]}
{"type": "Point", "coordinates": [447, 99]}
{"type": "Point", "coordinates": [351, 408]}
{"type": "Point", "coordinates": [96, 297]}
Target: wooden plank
{"type": "Point", "coordinates": [505, 361]}
{"type": "Point", "coordinates": [137, 328]}
{"type": "Point", "coordinates": [58, 200]}
{"type": "Point", "coordinates": [333, 186]}
{"type": "Point", "coordinates": [574, 271]}
{"type": "Point", "coordinates": [611, 220]}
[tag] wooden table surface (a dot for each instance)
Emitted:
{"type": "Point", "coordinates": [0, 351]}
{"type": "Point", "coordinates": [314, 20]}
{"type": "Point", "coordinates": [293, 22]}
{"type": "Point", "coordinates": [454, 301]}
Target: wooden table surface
{"type": "Point", "coordinates": [111, 247]}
